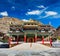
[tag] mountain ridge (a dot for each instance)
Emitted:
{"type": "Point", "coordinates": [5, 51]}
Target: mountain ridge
{"type": "Point", "coordinates": [5, 22]}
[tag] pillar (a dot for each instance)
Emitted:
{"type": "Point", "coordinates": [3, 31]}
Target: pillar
{"type": "Point", "coordinates": [25, 38]}
{"type": "Point", "coordinates": [17, 40]}
{"type": "Point", "coordinates": [50, 41]}
{"type": "Point", "coordinates": [42, 39]}
{"type": "Point", "coordinates": [10, 40]}
{"type": "Point", "coordinates": [35, 37]}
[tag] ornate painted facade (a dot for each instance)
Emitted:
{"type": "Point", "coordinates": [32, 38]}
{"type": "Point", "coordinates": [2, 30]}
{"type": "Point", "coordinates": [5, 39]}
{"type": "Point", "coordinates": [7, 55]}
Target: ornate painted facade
{"type": "Point", "coordinates": [31, 31]}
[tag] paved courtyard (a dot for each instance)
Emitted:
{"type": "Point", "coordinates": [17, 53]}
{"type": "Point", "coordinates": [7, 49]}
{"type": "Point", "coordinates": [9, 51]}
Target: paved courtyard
{"type": "Point", "coordinates": [30, 46]}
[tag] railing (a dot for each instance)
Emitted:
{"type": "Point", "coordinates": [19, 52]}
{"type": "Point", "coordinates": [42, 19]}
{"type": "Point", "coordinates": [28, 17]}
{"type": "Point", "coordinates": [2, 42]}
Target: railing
{"type": "Point", "coordinates": [31, 31]}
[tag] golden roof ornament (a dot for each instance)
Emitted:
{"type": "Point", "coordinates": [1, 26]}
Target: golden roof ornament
{"type": "Point", "coordinates": [31, 20]}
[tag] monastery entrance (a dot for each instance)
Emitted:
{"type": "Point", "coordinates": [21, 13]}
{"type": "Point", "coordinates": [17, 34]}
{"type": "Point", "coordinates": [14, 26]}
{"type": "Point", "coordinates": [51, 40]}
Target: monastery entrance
{"type": "Point", "coordinates": [30, 37]}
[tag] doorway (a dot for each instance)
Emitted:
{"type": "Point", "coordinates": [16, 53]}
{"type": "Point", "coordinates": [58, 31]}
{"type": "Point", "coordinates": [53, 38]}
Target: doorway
{"type": "Point", "coordinates": [30, 39]}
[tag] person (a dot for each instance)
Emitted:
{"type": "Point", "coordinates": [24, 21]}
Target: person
{"type": "Point", "coordinates": [30, 43]}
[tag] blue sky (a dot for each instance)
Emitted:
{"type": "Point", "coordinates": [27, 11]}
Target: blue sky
{"type": "Point", "coordinates": [41, 10]}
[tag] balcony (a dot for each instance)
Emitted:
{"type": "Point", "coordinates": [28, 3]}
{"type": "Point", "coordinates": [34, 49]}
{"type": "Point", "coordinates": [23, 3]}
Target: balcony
{"type": "Point", "coordinates": [31, 31]}
{"type": "Point", "coordinates": [42, 31]}
{"type": "Point", "coordinates": [15, 33]}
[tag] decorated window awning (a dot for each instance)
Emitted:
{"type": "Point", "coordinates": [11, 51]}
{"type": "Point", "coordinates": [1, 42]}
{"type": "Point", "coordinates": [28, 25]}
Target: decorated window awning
{"type": "Point", "coordinates": [16, 33]}
{"type": "Point", "coordinates": [30, 35]}
{"type": "Point", "coordinates": [43, 33]}
{"type": "Point", "coordinates": [30, 26]}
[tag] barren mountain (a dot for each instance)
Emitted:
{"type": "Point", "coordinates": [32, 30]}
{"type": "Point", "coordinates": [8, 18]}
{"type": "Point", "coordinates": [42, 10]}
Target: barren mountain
{"type": "Point", "coordinates": [6, 21]}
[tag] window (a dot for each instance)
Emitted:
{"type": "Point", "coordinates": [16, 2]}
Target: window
{"type": "Point", "coordinates": [42, 31]}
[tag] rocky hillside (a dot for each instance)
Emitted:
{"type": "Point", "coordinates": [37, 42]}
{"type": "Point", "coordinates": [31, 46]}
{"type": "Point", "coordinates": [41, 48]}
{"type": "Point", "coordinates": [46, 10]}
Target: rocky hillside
{"type": "Point", "coordinates": [6, 21]}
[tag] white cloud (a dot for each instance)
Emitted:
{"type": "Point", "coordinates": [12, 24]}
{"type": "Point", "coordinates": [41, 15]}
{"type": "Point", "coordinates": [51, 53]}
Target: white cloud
{"type": "Point", "coordinates": [56, 16]}
{"type": "Point", "coordinates": [50, 13]}
{"type": "Point", "coordinates": [13, 7]}
{"type": "Point", "coordinates": [24, 20]}
{"type": "Point", "coordinates": [29, 9]}
{"type": "Point", "coordinates": [4, 13]}
{"type": "Point", "coordinates": [41, 6]}
{"type": "Point", "coordinates": [34, 12]}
